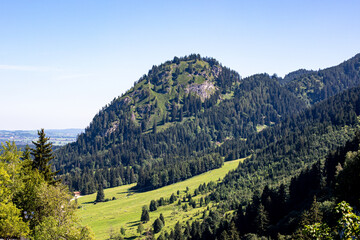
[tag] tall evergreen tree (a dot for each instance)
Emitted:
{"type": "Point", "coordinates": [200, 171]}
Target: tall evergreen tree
{"type": "Point", "coordinates": [43, 154]}
{"type": "Point", "coordinates": [158, 225]}
{"type": "Point", "coordinates": [162, 218]}
{"type": "Point", "coordinates": [262, 220]}
{"type": "Point", "coordinates": [145, 217]}
{"type": "Point", "coordinates": [100, 197]}
{"type": "Point", "coordinates": [153, 206]}
{"type": "Point", "coordinates": [155, 127]}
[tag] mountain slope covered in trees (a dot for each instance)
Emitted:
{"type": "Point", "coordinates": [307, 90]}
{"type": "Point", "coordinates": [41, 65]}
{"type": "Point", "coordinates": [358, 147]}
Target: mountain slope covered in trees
{"type": "Point", "coordinates": [314, 86]}
{"type": "Point", "coordinates": [190, 112]}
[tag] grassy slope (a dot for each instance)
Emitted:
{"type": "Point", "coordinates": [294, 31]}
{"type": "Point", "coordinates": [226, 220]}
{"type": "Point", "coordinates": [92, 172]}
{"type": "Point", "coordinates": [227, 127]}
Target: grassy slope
{"type": "Point", "coordinates": [125, 211]}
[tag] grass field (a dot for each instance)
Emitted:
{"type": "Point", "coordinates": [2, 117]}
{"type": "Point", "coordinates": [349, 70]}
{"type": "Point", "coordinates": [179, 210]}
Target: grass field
{"type": "Point", "coordinates": [125, 211]}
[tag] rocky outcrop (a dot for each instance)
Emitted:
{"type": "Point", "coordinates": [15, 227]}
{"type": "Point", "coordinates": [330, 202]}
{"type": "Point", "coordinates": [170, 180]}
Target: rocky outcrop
{"type": "Point", "coordinates": [203, 90]}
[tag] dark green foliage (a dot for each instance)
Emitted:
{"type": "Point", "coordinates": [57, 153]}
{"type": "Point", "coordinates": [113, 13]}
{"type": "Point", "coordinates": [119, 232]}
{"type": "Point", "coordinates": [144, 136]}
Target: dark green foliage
{"type": "Point", "coordinates": [145, 217]}
{"type": "Point", "coordinates": [162, 218]}
{"type": "Point", "coordinates": [158, 225]}
{"type": "Point", "coordinates": [153, 206]}
{"type": "Point", "coordinates": [100, 196]}
{"type": "Point", "coordinates": [348, 179]}
{"type": "Point", "coordinates": [114, 138]}
{"type": "Point", "coordinates": [178, 171]}
{"type": "Point", "coordinates": [314, 86]}
{"type": "Point", "coordinates": [262, 220]}
{"type": "Point", "coordinates": [122, 231]}
{"type": "Point", "coordinates": [285, 209]}
{"type": "Point", "coordinates": [178, 232]}
{"type": "Point", "coordinates": [42, 155]}
{"type": "Point", "coordinates": [140, 228]}
{"type": "Point", "coordinates": [154, 127]}
{"type": "Point", "coordinates": [276, 211]}
{"type": "Point", "coordinates": [172, 198]}
{"type": "Point", "coordinates": [302, 125]}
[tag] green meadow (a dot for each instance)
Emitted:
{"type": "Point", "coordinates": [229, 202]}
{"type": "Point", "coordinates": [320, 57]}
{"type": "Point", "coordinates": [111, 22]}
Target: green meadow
{"type": "Point", "coordinates": [126, 210]}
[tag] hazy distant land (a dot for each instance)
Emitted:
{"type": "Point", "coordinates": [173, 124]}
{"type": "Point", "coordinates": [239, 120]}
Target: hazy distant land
{"type": "Point", "coordinates": [58, 137]}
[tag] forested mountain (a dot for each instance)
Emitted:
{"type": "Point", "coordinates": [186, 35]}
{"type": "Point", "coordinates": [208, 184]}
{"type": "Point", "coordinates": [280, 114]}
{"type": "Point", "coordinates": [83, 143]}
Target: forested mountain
{"type": "Point", "coordinates": [191, 112]}
{"type": "Point", "coordinates": [314, 86]}
{"type": "Point", "coordinates": [301, 208]}
{"type": "Point", "coordinates": [177, 112]}
{"type": "Point", "coordinates": [189, 115]}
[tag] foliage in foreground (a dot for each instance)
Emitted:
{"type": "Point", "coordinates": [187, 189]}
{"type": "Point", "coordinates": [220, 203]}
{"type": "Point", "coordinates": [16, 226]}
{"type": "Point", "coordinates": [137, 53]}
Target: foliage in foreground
{"type": "Point", "coordinates": [32, 204]}
{"type": "Point", "coordinates": [348, 225]}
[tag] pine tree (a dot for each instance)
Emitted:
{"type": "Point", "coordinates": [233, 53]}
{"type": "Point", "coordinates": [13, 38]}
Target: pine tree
{"type": "Point", "coordinates": [145, 214]}
{"type": "Point", "coordinates": [140, 228]}
{"type": "Point", "coordinates": [178, 233]}
{"type": "Point", "coordinates": [262, 220]}
{"type": "Point", "coordinates": [43, 154]}
{"type": "Point", "coordinates": [100, 197]}
{"type": "Point", "coordinates": [162, 218]}
{"type": "Point", "coordinates": [158, 225]}
{"type": "Point", "coordinates": [155, 127]}
{"type": "Point", "coordinates": [27, 153]}
{"type": "Point", "coordinates": [153, 206]}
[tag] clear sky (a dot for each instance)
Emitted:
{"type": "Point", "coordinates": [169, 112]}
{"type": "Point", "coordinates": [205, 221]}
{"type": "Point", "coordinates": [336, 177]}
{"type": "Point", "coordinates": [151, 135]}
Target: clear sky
{"type": "Point", "coordinates": [62, 61]}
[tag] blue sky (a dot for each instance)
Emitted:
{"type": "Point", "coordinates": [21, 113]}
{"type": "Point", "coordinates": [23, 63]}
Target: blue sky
{"type": "Point", "coordinates": [62, 61]}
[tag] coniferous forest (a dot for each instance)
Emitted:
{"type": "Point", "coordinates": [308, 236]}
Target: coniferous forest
{"type": "Point", "coordinates": [299, 137]}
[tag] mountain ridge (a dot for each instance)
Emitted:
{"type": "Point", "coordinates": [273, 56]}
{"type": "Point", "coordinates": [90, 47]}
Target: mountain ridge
{"type": "Point", "coordinates": [176, 114]}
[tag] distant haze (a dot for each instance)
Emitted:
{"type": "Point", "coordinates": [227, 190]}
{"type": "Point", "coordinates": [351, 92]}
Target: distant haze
{"type": "Point", "coordinates": [58, 137]}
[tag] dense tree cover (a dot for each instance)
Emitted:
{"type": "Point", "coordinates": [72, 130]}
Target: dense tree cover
{"type": "Point", "coordinates": [298, 74]}
{"type": "Point", "coordinates": [166, 129]}
{"type": "Point", "coordinates": [162, 175]}
{"type": "Point", "coordinates": [281, 151]}
{"type": "Point", "coordinates": [314, 86]}
{"type": "Point", "coordinates": [302, 208]}
{"type": "Point", "coordinates": [167, 117]}
{"type": "Point", "coordinates": [32, 205]}
{"type": "Point", "coordinates": [191, 125]}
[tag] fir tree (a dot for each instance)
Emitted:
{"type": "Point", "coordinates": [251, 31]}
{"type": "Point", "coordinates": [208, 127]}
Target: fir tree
{"type": "Point", "coordinates": [145, 214]}
{"type": "Point", "coordinates": [155, 127]}
{"type": "Point", "coordinates": [153, 206]}
{"type": "Point", "coordinates": [43, 154]}
{"type": "Point", "coordinates": [100, 197]}
{"type": "Point", "coordinates": [140, 228]}
{"type": "Point", "coordinates": [158, 225]}
{"type": "Point", "coordinates": [27, 153]}
{"type": "Point", "coordinates": [162, 218]}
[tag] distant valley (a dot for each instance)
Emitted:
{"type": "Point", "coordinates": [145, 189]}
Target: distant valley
{"type": "Point", "coordinates": [58, 137]}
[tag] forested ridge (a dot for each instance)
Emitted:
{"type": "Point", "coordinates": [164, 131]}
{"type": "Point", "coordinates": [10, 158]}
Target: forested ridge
{"type": "Point", "coordinates": [189, 115]}
{"type": "Point", "coordinates": [314, 86]}
{"type": "Point", "coordinates": [304, 207]}
{"type": "Point", "coordinates": [188, 109]}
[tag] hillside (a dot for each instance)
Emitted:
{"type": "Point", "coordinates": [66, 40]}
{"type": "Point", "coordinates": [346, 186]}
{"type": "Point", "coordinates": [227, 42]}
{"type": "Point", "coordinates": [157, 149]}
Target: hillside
{"type": "Point", "coordinates": [189, 115]}
{"type": "Point", "coordinates": [293, 178]}
{"type": "Point", "coordinates": [125, 211]}
{"type": "Point", "coordinates": [180, 112]}
{"type": "Point", "coordinates": [314, 86]}
{"type": "Point", "coordinates": [176, 113]}
{"type": "Point", "coordinates": [269, 177]}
